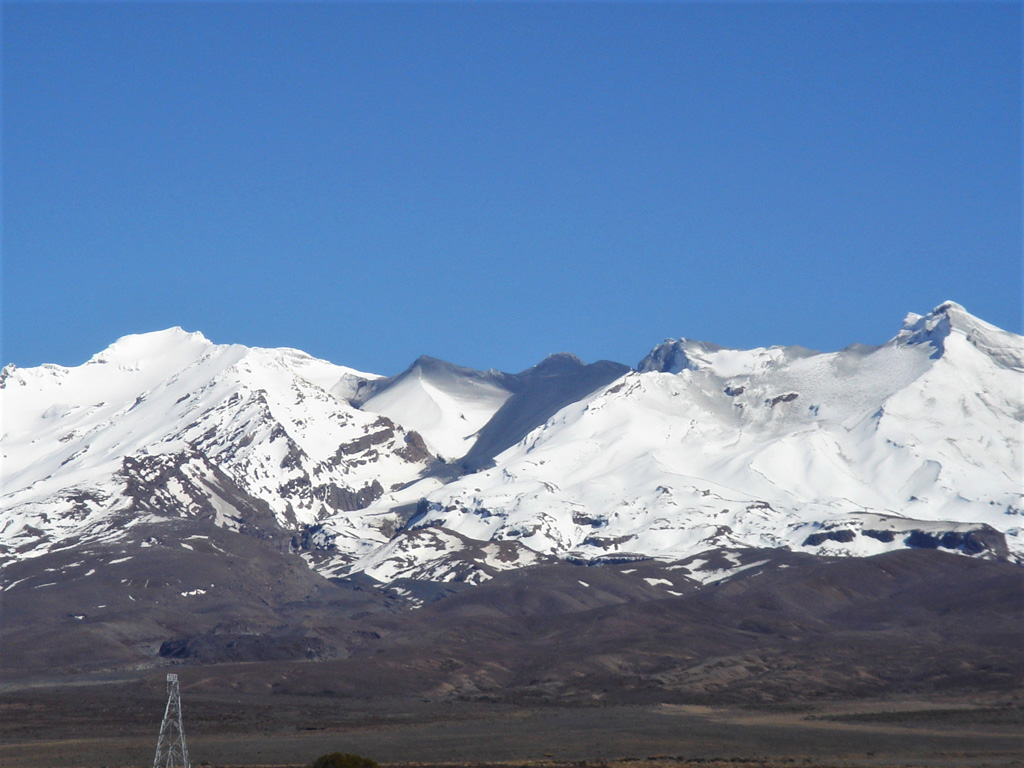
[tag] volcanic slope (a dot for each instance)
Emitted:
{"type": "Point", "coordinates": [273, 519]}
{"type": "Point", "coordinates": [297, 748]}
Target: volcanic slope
{"type": "Point", "coordinates": [445, 403]}
{"type": "Point", "coordinates": [697, 454]}
{"type": "Point", "coordinates": [167, 425]}
{"type": "Point", "coordinates": [914, 443]}
{"type": "Point", "coordinates": [173, 500]}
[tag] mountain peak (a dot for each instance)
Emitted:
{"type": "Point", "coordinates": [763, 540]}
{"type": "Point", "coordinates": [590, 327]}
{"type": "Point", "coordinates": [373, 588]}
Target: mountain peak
{"type": "Point", "coordinates": [442, 371]}
{"type": "Point", "coordinates": [426, 361]}
{"type": "Point", "coordinates": [559, 361]}
{"type": "Point", "coordinates": [140, 346]}
{"type": "Point", "coordinates": [947, 307]}
{"type": "Point", "coordinates": [668, 357]}
{"type": "Point", "coordinates": [947, 318]}
{"type": "Point", "coordinates": [563, 357]}
{"type": "Point", "coordinates": [948, 313]}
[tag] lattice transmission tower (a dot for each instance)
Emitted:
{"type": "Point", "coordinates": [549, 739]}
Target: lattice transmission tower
{"type": "Point", "coordinates": [171, 750]}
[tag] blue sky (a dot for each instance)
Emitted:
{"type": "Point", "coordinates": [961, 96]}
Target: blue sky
{"type": "Point", "coordinates": [490, 183]}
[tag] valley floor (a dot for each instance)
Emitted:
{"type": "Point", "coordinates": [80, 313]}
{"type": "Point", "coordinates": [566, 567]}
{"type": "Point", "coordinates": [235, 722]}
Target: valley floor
{"type": "Point", "coordinates": [116, 724]}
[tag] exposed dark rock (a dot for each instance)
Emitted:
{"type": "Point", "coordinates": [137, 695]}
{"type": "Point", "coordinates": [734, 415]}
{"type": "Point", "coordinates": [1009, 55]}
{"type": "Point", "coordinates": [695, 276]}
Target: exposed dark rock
{"type": "Point", "coordinates": [422, 508]}
{"type": "Point", "coordinates": [886, 536]}
{"type": "Point", "coordinates": [347, 499]}
{"type": "Point", "coordinates": [384, 430]}
{"type": "Point", "coordinates": [415, 449]}
{"type": "Point", "coordinates": [668, 357]}
{"type": "Point", "coordinates": [296, 488]}
{"type": "Point", "coordinates": [146, 483]}
{"type": "Point", "coordinates": [594, 522]}
{"type": "Point", "coordinates": [293, 458]}
{"type": "Point", "coordinates": [313, 537]}
{"type": "Point", "coordinates": [817, 539]}
{"type": "Point", "coordinates": [974, 542]}
{"type": "Point", "coordinates": [609, 543]}
{"type": "Point", "coordinates": [6, 373]}
{"type": "Point", "coordinates": [617, 559]}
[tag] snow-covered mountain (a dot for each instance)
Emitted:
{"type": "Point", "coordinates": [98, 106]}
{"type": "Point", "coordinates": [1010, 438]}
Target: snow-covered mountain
{"type": "Point", "coordinates": [170, 425]}
{"type": "Point", "coordinates": [848, 453]}
{"type": "Point", "coordinates": [442, 473]}
{"type": "Point", "coordinates": [445, 403]}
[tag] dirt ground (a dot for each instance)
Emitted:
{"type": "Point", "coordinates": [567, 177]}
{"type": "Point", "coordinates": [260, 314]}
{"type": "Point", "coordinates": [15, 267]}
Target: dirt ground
{"type": "Point", "coordinates": [116, 725]}
{"type": "Point", "coordinates": [912, 659]}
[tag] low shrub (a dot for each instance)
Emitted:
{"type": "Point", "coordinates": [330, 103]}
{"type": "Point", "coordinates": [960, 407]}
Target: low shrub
{"type": "Point", "coordinates": [343, 760]}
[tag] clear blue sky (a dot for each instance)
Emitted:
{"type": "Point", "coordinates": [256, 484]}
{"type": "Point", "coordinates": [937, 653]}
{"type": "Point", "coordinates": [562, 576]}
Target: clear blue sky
{"type": "Point", "coordinates": [490, 183]}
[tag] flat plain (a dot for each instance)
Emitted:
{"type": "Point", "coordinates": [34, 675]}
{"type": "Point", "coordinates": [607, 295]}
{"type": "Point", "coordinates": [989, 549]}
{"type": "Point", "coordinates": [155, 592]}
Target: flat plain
{"type": "Point", "coordinates": [115, 722]}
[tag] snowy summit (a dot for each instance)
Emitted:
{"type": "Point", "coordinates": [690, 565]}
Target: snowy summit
{"type": "Point", "coordinates": [445, 473]}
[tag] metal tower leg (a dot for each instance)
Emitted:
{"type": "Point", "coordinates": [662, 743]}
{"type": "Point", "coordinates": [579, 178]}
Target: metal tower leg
{"type": "Point", "coordinates": [171, 750]}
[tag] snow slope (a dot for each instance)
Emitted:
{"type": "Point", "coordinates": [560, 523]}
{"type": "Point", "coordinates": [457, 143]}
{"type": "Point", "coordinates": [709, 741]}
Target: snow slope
{"type": "Point", "coordinates": [707, 447]}
{"type": "Point", "coordinates": [446, 404]}
{"type": "Point", "coordinates": [918, 442]}
{"type": "Point", "coordinates": [265, 418]}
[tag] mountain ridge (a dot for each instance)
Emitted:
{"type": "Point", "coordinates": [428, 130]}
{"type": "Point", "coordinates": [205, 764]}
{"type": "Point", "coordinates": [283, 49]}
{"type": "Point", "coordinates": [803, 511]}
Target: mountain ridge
{"type": "Point", "coordinates": [712, 525]}
{"type": "Point", "coordinates": [698, 447]}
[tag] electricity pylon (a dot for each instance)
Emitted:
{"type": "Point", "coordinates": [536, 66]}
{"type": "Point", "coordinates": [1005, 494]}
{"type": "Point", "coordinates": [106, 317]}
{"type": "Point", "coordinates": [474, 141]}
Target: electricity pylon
{"type": "Point", "coordinates": [171, 751]}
